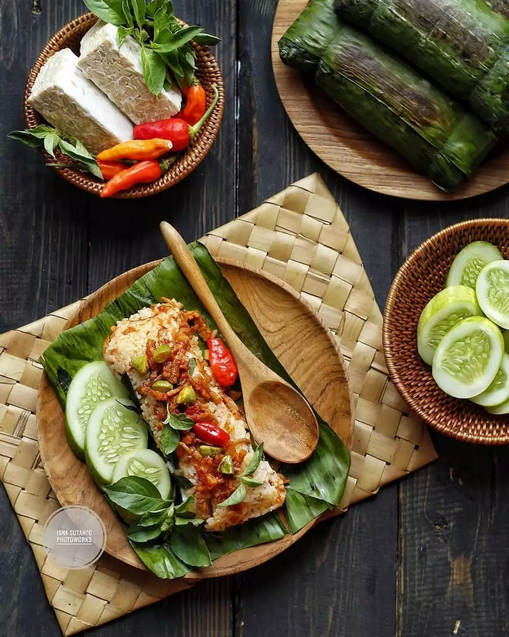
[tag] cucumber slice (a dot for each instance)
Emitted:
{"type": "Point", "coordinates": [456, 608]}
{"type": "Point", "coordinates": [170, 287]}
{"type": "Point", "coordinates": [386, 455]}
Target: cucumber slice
{"type": "Point", "coordinates": [492, 290]}
{"type": "Point", "coordinates": [498, 392]}
{"type": "Point", "coordinates": [506, 340]}
{"type": "Point", "coordinates": [468, 357]}
{"type": "Point", "coordinates": [499, 410]}
{"type": "Point", "coordinates": [470, 261]}
{"type": "Point", "coordinates": [92, 385]}
{"type": "Point", "coordinates": [115, 429]}
{"type": "Point", "coordinates": [442, 313]}
{"type": "Point", "coordinates": [145, 464]}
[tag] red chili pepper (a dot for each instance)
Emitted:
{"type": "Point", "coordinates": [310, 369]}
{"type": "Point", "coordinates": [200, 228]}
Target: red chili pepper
{"type": "Point", "coordinates": [196, 105]}
{"type": "Point", "coordinates": [211, 434]}
{"type": "Point", "coordinates": [221, 362]}
{"type": "Point", "coordinates": [175, 129]}
{"type": "Point", "coordinates": [144, 172]}
{"type": "Point", "coordinates": [111, 168]}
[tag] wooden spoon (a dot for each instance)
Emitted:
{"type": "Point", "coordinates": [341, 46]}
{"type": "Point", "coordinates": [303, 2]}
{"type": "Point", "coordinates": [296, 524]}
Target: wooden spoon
{"type": "Point", "coordinates": [277, 414]}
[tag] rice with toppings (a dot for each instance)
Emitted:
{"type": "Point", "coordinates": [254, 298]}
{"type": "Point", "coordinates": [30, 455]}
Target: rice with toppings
{"type": "Point", "coordinates": [169, 324]}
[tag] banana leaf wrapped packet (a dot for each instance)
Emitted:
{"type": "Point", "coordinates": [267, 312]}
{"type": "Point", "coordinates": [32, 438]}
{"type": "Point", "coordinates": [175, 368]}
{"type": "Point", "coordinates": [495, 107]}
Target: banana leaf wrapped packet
{"type": "Point", "coordinates": [389, 97]}
{"type": "Point", "coordinates": [462, 44]}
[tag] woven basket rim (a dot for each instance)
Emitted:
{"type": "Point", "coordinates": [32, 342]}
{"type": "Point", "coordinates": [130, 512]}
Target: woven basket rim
{"type": "Point", "coordinates": [209, 72]}
{"type": "Point", "coordinates": [440, 425]}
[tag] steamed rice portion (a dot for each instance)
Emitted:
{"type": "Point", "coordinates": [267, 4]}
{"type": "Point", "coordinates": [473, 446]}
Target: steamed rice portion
{"type": "Point", "coordinates": [168, 323]}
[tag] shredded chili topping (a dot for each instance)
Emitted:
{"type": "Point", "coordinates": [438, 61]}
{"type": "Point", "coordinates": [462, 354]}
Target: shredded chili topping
{"type": "Point", "coordinates": [165, 382]}
{"type": "Point", "coordinates": [211, 484]}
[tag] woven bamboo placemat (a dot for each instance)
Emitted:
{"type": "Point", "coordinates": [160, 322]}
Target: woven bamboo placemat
{"type": "Point", "coordinates": [300, 236]}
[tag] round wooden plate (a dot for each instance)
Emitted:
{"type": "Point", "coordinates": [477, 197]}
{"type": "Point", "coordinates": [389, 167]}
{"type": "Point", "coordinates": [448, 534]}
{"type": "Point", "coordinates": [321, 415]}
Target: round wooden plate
{"type": "Point", "coordinates": [352, 151]}
{"type": "Point", "coordinates": [296, 335]}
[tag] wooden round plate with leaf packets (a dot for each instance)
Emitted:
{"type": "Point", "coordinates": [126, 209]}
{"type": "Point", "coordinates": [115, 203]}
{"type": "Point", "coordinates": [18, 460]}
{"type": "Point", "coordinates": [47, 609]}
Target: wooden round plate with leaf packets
{"type": "Point", "coordinates": [296, 335]}
{"type": "Point", "coordinates": [352, 151]}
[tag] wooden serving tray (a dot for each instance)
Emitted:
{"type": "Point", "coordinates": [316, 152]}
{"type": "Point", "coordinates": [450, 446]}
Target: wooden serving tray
{"type": "Point", "coordinates": [352, 151]}
{"type": "Point", "coordinates": [297, 337]}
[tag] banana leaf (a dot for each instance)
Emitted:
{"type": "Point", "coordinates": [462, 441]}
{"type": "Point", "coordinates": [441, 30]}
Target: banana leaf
{"type": "Point", "coordinates": [462, 44]}
{"type": "Point", "coordinates": [394, 102]}
{"type": "Point", "coordinates": [82, 344]}
{"type": "Point", "coordinates": [307, 38]}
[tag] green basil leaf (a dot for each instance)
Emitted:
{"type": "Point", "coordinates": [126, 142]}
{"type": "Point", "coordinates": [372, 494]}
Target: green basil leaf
{"type": "Point", "coordinates": [183, 509]}
{"type": "Point", "coordinates": [192, 366]}
{"type": "Point", "coordinates": [160, 24]}
{"type": "Point", "coordinates": [32, 137]}
{"type": "Point", "coordinates": [107, 10]}
{"type": "Point", "coordinates": [251, 482]}
{"type": "Point", "coordinates": [139, 533]}
{"type": "Point", "coordinates": [154, 70]}
{"type": "Point", "coordinates": [154, 6]}
{"type": "Point", "coordinates": [51, 142]}
{"type": "Point", "coordinates": [169, 439]}
{"type": "Point", "coordinates": [193, 521]}
{"type": "Point", "coordinates": [255, 461]}
{"type": "Point", "coordinates": [190, 59]}
{"type": "Point", "coordinates": [172, 59]}
{"type": "Point", "coordinates": [180, 38]}
{"type": "Point", "coordinates": [139, 8]}
{"type": "Point", "coordinates": [188, 544]}
{"type": "Point", "coordinates": [179, 422]}
{"type": "Point", "coordinates": [189, 75]}
{"type": "Point", "coordinates": [80, 148]}
{"type": "Point", "coordinates": [151, 519]}
{"type": "Point", "coordinates": [236, 497]}
{"type": "Point", "coordinates": [167, 82]}
{"type": "Point", "coordinates": [204, 39]}
{"type": "Point", "coordinates": [137, 495]}
{"type": "Point", "coordinates": [122, 34]}
{"type": "Point", "coordinates": [161, 560]}
{"type": "Point", "coordinates": [81, 155]}
{"type": "Point", "coordinates": [127, 12]}
{"type": "Point", "coordinates": [163, 36]}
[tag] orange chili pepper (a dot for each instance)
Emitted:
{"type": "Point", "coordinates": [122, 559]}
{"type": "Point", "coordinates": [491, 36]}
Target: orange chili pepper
{"type": "Point", "coordinates": [144, 172]}
{"type": "Point", "coordinates": [135, 149]}
{"type": "Point", "coordinates": [111, 168]}
{"type": "Point", "coordinates": [196, 105]}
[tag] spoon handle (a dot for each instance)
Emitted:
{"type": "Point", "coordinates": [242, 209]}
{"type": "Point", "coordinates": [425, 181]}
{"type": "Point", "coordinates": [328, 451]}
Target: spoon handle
{"type": "Point", "coordinates": [192, 272]}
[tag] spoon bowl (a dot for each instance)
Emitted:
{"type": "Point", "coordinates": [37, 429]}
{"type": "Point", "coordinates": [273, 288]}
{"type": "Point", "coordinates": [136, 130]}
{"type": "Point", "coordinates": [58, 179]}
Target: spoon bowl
{"type": "Point", "coordinates": [277, 414]}
{"type": "Point", "coordinates": [276, 409]}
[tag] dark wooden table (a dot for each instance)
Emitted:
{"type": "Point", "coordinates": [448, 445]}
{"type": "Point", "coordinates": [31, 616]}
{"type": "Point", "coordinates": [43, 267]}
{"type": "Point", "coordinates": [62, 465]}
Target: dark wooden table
{"type": "Point", "coordinates": [428, 556]}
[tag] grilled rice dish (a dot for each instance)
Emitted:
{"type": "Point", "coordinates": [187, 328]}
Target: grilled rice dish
{"type": "Point", "coordinates": [168, 324]}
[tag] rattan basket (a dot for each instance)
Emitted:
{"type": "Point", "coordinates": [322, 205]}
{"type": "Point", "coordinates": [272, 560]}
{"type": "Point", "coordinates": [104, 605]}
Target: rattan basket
{"type": "Point", "coordinates": [208, 72]}
{"type": "Point", "coordinates": [419, 279]}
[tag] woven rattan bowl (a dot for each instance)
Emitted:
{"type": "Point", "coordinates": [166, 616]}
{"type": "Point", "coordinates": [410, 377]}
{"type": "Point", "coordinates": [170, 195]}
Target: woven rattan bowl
{"type": "Point", "coordinates": [419, 279]}
{"type": "Point", "coordinates": [208, 72]}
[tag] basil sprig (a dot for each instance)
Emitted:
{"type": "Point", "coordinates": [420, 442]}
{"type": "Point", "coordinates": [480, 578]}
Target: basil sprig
{"type": "Point", "coordinates": [161, 519]}
{"type": "Point", "coordinates": [167, 54]}
{"type": "Point", "coordinates": [246, 480]}
{"type": "Point", "coordinates": [174, 423]}
{"type": "Point", "coordinates": [52, 139]}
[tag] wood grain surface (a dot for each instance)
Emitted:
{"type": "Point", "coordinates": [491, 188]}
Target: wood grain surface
{"type": "Point", "coordinates": [352, 151]}
{"type": "Point", "coordinates": [427, 556]}
{"type": "Point", "coordinates": [284, 321]}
